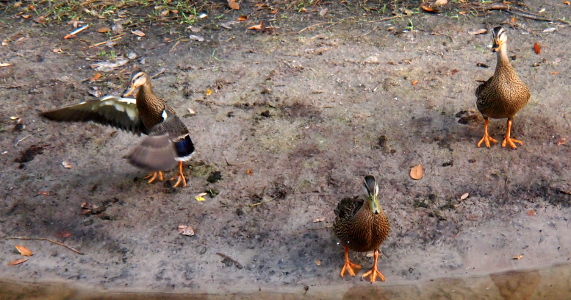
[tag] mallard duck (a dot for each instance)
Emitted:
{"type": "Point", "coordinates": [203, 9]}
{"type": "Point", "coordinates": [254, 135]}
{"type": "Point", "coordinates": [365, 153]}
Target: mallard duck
{"type": "Point", "coordinates": [361, 225]}
{"type": "Point", "coordinates": [503, 95]}
{"type": "Point", "coordinates": [168, 142]}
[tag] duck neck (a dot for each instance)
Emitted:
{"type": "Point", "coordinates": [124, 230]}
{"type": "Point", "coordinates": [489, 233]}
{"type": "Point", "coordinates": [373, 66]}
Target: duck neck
{"type": "Point", "coordinates": [503, 60]}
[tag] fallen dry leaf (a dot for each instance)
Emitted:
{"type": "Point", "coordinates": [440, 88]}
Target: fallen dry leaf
{"type": "Point", "coordinates": [208, 92]}
{"type": "Point", "coordinates": [95, 77]}
{"type": "Point", "coordinates": [103, 30]}
{"type": "Point", "coordinates": [561, 141]}
{"type": "Point", "coordinates": [566, 2]}
{"type": "Point", "coordinates": [233, 4]}
{"type": "Point", "coordinates": [531, 212]}
{"type": "Point", "coordinates": [5, 64]}
{"type": "Point", "coordinates": [24, 251]}
{"type": "Point", "coordinates": [273, 12]}
{"type": "Point", "coordinates": [414, 82]}
{"type": "Point", "coordinates": [427, 8]}
{"type": "Point", "coordinates": [138, 33]}
{"type": "Point", "coordinates": [17, 261]}
{"type": "Point", "coordinates": [256, 27]}
{"type": "Point", "coordinates": [63, 234]}
{"type": "Point", "coordinates": [477, 31]}
{"type": "Point", "coordinates": [440, 2]}
{"type": "Point", "coordinates": [517, 257]}
{"type": "Point", "coordinates": [318, 262]}
{"type": "Point", "coordinates": [200, 197]}
{"type": "Point", "coordinates": [185, 230]}
{"type": "Point", "coordinates": [537, 48]}
{"type": "Point", "coordinates": [416, 172]}
{"type": "Point", "coordinates": [464, 196]}
{"type": "Point", "coordinates": [317, 220]}
{"type": "Point", "coordinates": [250, 172]}
{"type": "Point", "coordinates": [553, 73]}
{"type": "Point", "coordinates": [242, 18]}
{"type": "Point", "coordinates": [66, 165]}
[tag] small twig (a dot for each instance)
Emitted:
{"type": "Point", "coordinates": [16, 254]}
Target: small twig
{"type": "Point", "coordinates": [76, 32]}
{"type": "Point", "coordinates": [388, 18]}
{"type": "Point", "coordinates": [115, 38]}
{"type": "Point", "coordinates": [22, 139]}
{"type": "Point", "coordinates": [261, 202]}
{"type": "Point", "coordinates": [174, 46]}
{"type": "Point", "coordinates": [235, 262]}
{"type": "Point", "coordinates": [159, 73]}
{"type": "Point", "coordinates": [44, 239]}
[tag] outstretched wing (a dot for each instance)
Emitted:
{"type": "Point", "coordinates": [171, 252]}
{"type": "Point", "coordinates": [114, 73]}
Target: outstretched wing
{"type": "Point", "coordinates": [114, 111]}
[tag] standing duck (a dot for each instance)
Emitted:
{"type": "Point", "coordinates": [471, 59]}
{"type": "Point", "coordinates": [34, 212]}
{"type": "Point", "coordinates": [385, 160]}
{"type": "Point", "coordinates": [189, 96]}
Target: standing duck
{"type": "Point", "coordinates": [361, 225]}
{"type": "Point", "coordinates": [168, 142]}
{"type": "Point", "coordinates": [503, 95]}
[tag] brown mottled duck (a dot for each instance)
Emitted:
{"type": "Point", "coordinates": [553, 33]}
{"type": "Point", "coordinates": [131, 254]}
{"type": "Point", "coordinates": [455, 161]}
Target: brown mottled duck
{"type": "Point", "coordinates": [503, 95]}
{"type": "Point", "coordinates": [168, 142]}
{"type": "Point", "coordinates": [361, 225]}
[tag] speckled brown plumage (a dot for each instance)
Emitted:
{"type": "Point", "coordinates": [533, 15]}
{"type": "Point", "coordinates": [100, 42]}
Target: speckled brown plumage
{"type": "Point", "coordinates": [361, 225]}
{"type": "Point", "coordinates": [503, 95]}
{"type": "Point", "coordinates": [168, 140]}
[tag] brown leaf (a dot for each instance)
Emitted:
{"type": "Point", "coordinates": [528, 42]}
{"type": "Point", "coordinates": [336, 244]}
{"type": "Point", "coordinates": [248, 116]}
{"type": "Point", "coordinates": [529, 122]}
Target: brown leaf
{"type": "Point", "coordinates": [477, 31]}
{"type": "Point", "coordinates": [566, 2]}
{"type": "Point", "coordinates": [250, 172]}
{"type": "Point", "coordinates": [17, 261]}
{"type": "Point", "coordinates": [531, 212]}
{"type": "Point", "coordinates": [416, 172]}
{"type": "Point", "coordinates": [427, 8]}
{"type": "Point", "coordinates": [63, 234]}
{"type": "Point", "coordinates": [242, 18]}
{"type": "Point", "coordinates": [185, 230]}
{"type": "Point", "coordinates": [414, 82]}
{"type": "Point", "coordinates": [138, 33]}
{"type": "Point", "coordinates": [273, 12]}
{"type": "Point", "coordinates": [103, 30]}
{"type": "Point", "coordinates": [440, 2]}
{"type": "Point", "coordinates": [561, 141]}
{"type": "Point", "coordinates": [256, 27]}
{"type": "Point", "coordinates": [517, 257]}
{"type": "Point", "coordinates": [553, 73]}
{"type": "Point", "coordinates": [95, 77]}
{"type": "Point", "coordinates": [537, 48]}
{"type": "Point", "coordinates": [233, 4]}
{"type": "Point", "coordinates": [24, 251]}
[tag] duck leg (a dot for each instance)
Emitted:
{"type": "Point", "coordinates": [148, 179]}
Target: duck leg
{"type": "Point", "coordinates": [487, 139]}
{"type": "Point", "coordinates": [348, 265]}
{"type": "Point", "coordinates": [507, 139]}
{"type": "Point", "coordinates": [374, 272]}
{"type": "Point", "coordinates": [154, 176]}
{"type": "Point", "coordinates": [180, 177]}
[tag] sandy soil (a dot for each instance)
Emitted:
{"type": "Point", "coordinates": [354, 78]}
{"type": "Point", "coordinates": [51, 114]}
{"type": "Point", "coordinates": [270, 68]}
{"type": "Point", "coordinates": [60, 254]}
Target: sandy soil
{"type": "Point", "coordinates": [297, 117]}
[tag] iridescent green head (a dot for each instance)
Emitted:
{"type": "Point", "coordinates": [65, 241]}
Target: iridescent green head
{"type": "Point", "coordinates": [373, 194]}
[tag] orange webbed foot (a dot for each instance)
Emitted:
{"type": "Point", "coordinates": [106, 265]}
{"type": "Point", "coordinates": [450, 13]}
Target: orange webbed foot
{"type": "Point", "coordinates": [349, 267]}
{"type": "Point", "coordinates": [374, 272]}
{"type": "Point", "coordinates": [487, 139]}
{"type": "Point", "coordinates": [508, 141]}
{"type": "Point", "coordinates": [154, 176]}
{"type": "Point", "coordinates": [180, 176]}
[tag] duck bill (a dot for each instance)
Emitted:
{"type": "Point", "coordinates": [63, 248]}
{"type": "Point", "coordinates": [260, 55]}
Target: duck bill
{"type": "Point", "coordinates": [496, 46]}
{"type": "Point", "coordinates": [129, 91]}
{"type": "Point", "coordinates": [375, 206]}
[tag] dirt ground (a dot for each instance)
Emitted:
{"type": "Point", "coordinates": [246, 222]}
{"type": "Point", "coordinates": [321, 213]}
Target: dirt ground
{"type": "Point", "coordinates": [298, 115]}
